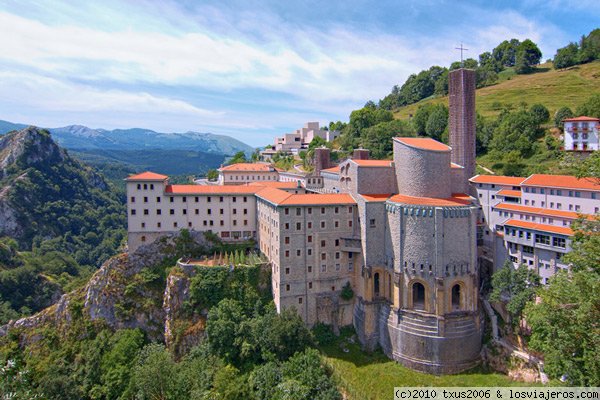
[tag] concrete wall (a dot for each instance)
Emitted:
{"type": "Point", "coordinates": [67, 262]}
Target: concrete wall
{"type": "Point", "coordinates": [422, 173]}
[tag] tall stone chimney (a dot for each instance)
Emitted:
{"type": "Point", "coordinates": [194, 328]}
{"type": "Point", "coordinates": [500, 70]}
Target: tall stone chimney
{"type": "Point", "coordinates": [461, 88]}
{"type": "Point", "coordinates": [322, 158]}
{"type": "Point", "coordinates": [360, 154]}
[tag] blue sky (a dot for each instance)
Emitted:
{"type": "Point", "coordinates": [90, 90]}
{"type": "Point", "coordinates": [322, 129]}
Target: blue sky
{"type": "Point", "coordinates": [249, 69]}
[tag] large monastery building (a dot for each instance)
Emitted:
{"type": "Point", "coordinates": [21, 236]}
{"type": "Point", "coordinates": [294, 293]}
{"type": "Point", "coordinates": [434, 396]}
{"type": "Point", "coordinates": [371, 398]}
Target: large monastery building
{"type": "Point", "coordinates": [408, 235]}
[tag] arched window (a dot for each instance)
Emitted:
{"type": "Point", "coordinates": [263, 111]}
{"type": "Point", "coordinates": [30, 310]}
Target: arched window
{"type": "Point", "coordinates": [376, 284]}
{"type": "Point", "coordinates": [456, 297]}
{"type": "Point", "coordinates": [418, 294]}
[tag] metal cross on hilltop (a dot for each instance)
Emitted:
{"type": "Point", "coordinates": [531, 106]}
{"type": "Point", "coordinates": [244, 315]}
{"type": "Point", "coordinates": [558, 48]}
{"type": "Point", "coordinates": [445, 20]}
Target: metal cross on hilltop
{"type": "Point", "coordinates": [461, 48]}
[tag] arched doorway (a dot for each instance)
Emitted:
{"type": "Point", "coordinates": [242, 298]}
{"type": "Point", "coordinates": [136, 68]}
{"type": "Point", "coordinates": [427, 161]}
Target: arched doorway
{"type": "Point", "coordinates": [456, 297]}
{"type": "Point", "coordinates": [418, 295]}
{"type": "Point", "coordinates": [376, 284]}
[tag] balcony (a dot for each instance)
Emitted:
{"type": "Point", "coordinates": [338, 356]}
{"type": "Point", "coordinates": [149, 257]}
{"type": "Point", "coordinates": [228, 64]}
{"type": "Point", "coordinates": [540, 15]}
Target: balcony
{"type": "Point", "coordinates": [351, 245]}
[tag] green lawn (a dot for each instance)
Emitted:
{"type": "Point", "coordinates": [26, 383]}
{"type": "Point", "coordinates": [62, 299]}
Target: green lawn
{"type": "Point", "coordinates": [373, 376]}
{"type": "Point", "coordinates": [550, 87]}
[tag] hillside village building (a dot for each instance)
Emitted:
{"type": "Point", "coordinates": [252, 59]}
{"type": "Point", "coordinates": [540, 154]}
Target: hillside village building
{"type": "Point", "coordinates": [528, 220]}
{"type": "Point", "coordinates": [242, 173]}
{"type": "Point", "coordinates": [581, 134]}
{"type": "Point", "coordinates": [298, 140]}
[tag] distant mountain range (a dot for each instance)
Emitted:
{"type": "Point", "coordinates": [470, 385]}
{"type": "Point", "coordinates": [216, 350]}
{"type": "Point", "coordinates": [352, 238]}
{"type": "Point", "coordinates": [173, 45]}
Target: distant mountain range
{"type": "Point", "coordinates": [80, 137]}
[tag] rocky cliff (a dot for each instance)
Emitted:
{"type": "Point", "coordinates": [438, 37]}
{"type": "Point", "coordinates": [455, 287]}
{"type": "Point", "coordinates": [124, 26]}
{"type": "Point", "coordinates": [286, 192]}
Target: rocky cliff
{"type": "Point", "coordinates": [127, 292]}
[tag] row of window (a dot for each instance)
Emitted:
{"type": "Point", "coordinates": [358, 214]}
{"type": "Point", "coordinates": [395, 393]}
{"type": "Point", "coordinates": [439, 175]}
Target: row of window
{"type": "Point", "coordinates": [309, 225]}
{"type": "Point", "coordinates": [254, 177]}
{"type": "Point", "coordinates": [196, 199]}
{"type": "Point", "coordinates": [185, 211]}
{"type": "Point", "coordinates": [204, 223]}
{"type": "Point", "coordinates": [539, 238]}
{"type": "Point", "coordinates": [145, 186]}
{"type": "Point", "coordinates": [309, 210]}
{"type": "Point", "coordinates": [529, 250]}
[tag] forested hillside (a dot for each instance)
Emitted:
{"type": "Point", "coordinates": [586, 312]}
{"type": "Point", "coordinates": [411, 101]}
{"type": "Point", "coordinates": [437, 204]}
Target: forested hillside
{"type": "Point", "coordinates": [59, 220]}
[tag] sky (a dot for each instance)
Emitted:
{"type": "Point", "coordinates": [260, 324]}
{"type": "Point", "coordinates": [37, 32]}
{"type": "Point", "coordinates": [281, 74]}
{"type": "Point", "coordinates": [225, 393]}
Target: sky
{"type": "Point", "coordinates": [249, 69]}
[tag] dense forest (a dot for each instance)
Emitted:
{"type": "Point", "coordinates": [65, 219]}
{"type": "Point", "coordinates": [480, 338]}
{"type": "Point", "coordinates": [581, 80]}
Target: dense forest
{"type": "Point", "coordinates": [249, 351]}
{"type": "Point", "coordinates": [67, 221]}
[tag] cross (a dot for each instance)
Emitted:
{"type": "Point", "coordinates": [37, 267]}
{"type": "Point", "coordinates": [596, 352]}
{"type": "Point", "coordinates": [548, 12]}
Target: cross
{"type": "Point", "coordinates": [461, 48]}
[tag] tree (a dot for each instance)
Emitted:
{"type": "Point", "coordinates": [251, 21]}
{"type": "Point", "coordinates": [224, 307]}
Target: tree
{"type": "Point", "coordinates": [562, 114]}
{"type": "Point", "coordinates": [224, 330]}
{"type": "Point", "coordinates": [516, 131]}
{"type": "Point", "coordinates": [419, 120]}
{"type": "Point", "coordinates": [566, 57]}
{"type": "Point", "coordinates": [378, 138]}
{"type": "Point", "coordinates": [437, 122]}
{"type": "Point", "coordinates": [591, 107]}
{"type": "Point", "coordinates": [212, 175]}
{"type": "Point", "coordinates": [505, 52]}
{"type": "Point", "coordinates": [590, 47]}
{"type": "Point", "coordinates": [155, 376]}
{"type": "Point", "coordinates": [468, 63]}
{"type": "Point", "coordinates": [515, 287]}
{"type": "Point", "coordinates": [239, 157]}
{"type": "Point", "coordinates": [528, 55]}
{"type": "Point", "coordinates": [540, 113]}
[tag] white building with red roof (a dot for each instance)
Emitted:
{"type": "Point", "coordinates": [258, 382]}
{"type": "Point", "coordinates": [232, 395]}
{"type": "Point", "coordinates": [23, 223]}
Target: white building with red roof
{"type": "Point", "coordinates": [528, 220]}
{"type": "Point", "coordinates": [581, 134]}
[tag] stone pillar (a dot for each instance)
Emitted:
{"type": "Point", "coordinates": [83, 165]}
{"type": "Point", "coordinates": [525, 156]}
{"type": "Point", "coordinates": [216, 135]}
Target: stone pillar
{"type": "Point", "coordinates": [461, 88]}
{"type": "Point", "coordinates": [360, 154]}
{"type": "Point", "coordinates": [322, 158]}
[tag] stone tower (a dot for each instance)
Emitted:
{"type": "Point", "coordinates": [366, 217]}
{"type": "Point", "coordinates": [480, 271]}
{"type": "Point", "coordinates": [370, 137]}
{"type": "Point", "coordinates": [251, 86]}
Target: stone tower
{"type": "Point", "coordinates": [461, 88]}
{"type": "Point", "coordinates": [360, 154]}
{"type": "Point", "coordinates": [321, 159]}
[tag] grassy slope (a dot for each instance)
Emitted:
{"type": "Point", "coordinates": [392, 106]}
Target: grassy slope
{"type": "Point", "coordinates": [552, 88]}
{"type": "Point", "coordinates": [374, 376]}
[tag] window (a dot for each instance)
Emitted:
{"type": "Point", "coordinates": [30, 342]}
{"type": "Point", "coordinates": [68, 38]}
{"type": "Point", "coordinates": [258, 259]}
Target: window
{"type": "Point", "coordinates": [146, 211]}
{"type": "Point", "coordinates": [309, 268]}
{"type": "Point", "coordinates": [287, 211]}
{"type": "Point", "coordinates": [133, 199]}
{"type": "Point", "coordinates": [298, 253]}
{"type": "Point", "coordinates": [287, 288]}
{"type": "Point", "coordinates": [287, 271]}
{"type": "Point", "coordinates": [309, 239]}
{"type": "Point", "coordinates": [337, 255]}
{"type": "Point", "coordinates": [245, 199]}
{"type": "Point", "coordinates": [559, 192]}
{"type": "Point", "coordinates": [350, 224]}
{"type": "Point", "coordinates": [418, 296]}
{"type": "Point", "coordinates": [542, 239]}
{"type": "Point", "coordinates": [221, 211]}
{"type": "Point", "coordinates": [298, 226]}
{"type": "Point", "coordinates": [143, 224]}
{"type": "Point", "coordinates": [220, 199]}
{"type": "Point", "coordinates": [309, 252]}
{"type": "Point", "coordinates": [234, 199]}
{"type": "Point", "coordinates": [158, 225]}
{"type": "Point", "coordinates": [299, 300]}
{"type": "Point", "coordinates": [286, 240]}
{"type": "Point", "coordinates": [172, 211]}
{"type": "Point", "coordinates": [338, 267]}
{"type": "Point", "coordinates": [322, 210]}
{"type": "Point", "coordinates": [208, 199]}
{"type": "Point", "coordinates": [559, 242]}
{"type": "Point", "coordinates": [322, 224]}
{"type": "Point", "coordinates": [197, 211]}
{"type": "Point", "coordinates": [337, 210]}
{"type": "Point", "coordinates": [298, 212]}
{"type": "Point", "coordinates": [143, 238]}
{"type": "Point", "coordinates": [222, 223]}
{"type": "Point", "coordinates": [287, 253]}
{"type": "Point", "coordinates": [309, 225]}
{"type": "Point", "coordinates": [528, 249]}
{"type": "Point", "coordinates": [310, 285]}
{"type": "Point", "coordinates": [145, 186]}
{"type": "Point", "coordinates": [184, 211]}
{"type": "Point", "coordinates": [323, 243]}
{"type": "Point", "coordinates": [174, 224]}
{"type": "Point", "coordinates": [245, 211]}
{"type": "Point", "coordinates": [184, 199]}
{"type": "Point", "coordinates": [558, 206]}
{"type": "Point", "coordinates": [139, 186]}
{"type": "Point", "coordinates": [209, 211]}
{"type": "Point", "coordinates": [287, 225]}
{"type": "Point", "coordinates": [323, 256]}
{"type": "Point", "coordinates": [372, 223]}
{"type": "Point", "coordinates": [337, 242]}
{"type": "Point", "coordinates": [171, 199]}
{"type": "Point", "coordinates": [158, 199]}
{"type": "Point", "coordinates": [323, 268]}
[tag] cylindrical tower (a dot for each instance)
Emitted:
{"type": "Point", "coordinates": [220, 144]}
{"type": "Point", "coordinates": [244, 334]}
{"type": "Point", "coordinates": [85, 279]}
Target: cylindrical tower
{"type": "Point", "coordinates": [422, 167]}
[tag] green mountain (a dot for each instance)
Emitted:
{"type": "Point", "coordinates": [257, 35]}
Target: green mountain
{"type": "Point", "coordinates": [59, 220]}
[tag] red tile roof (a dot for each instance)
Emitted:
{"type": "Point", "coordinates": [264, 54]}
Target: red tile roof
{"type": "Point", "coordinates": [509, 193]}
{"type": "Point", "coordinates": [373, 163]}
{"type": "Point", "coordinates": [375, 197]}
{"type": "Point", "coordinates": [249, 167]}
{"type": "Point", "coordinates": [147, 176]}
{"type": "Point", "coordinates": [562, 230]}
{"type": "Point", "coordinates": [455, 200]}
{"type": "Point", "coordinates": [454, 165]}
{"type": "Point", "coordinates": [582, 118]}
{"type": "Point", "coordinates": [332, 170]}
{"type": "Point", "coordinates": [539, 211]}
{"type": "Point", "coordinates": [561, 181]}
{"type": "Point", "coordinates": [497, 179]}
{"type": "Point", "coordinates": [281, 198]}
{"type": "Point", "coordinates": [423, 143]}
{"type": "Point", "coordinates": [211, 189]}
